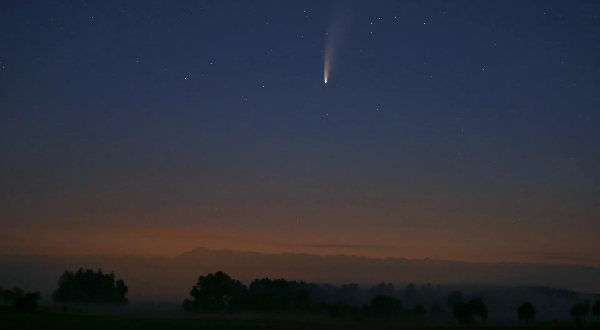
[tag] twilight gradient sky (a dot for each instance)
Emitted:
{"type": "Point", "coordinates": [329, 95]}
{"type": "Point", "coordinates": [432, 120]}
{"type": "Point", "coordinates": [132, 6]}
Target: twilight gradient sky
{"type": "Point", "coordinates": [462, 130]}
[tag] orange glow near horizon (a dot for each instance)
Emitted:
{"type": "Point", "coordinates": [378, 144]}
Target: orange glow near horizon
{"type": "Point", "coordinates": [72, 240]}
{"type": "Point", "coordinates": [103, 219]}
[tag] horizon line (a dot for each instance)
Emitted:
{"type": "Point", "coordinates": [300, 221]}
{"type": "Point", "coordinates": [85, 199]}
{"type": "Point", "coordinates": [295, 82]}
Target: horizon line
{"type": "Point", "coordinates": [552, 257]}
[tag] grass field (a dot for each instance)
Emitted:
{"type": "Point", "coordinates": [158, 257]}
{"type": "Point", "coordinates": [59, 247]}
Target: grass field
{"type": "Point", "coordinates": [64, 321]}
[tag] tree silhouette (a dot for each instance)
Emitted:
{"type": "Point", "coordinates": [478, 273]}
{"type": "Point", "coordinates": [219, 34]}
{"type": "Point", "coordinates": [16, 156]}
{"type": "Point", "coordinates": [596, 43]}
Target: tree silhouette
{"type": "Point", "coordinates": [526, 312]}
{"type": "Point", "coordinates": [578, 312]}
{"type": "Point", "coordinates": [463, 313]}
{"type": "Point", "coordinates": [596, 309]}
{"type": "Point", "coordinates": [218, 292]}
{"type": "Point", "coordinates": [382, 288]}
{"type": "Point", "coordinates": [6, 296]}
{"type": "Point", "coordinates": [337, 309]}
{"type": "Point", "coordinates": [385, 306]}
{"type": "Point", "coordinates": [321, 307]}
{"type": "Point", "coordinates": [366, 310]}
{"type": "Point", "coordinates": [27, 303]}
{"type": "Point", "coordinates": [410, 296]}
{"type": "Point", "coordinates": [419, 310]}
{"type": "Point", "coordinates": [354, 311]}
{"type": "Point", "coordinates": [586, 309]}
{"type": "Point", "coordinates": [240, 300]}
{"type": "Point", "coordinates": [90, 287]}
{"type": "Point", "coordinates": [479, 308]}
{"type": "Point", "coordinates": [10, 296]}
{"type": "Point", "coordinates": [352, 288]}
{"type": "Point", "coordinates": [334, 310]}
{"type": "Point", "coordinates": [436, 308]}
{"type": "Point", "coordinates": [426, 293]}
{"type": "Point", "coordinates": [455, 298]}
{"type": "Point", "coordinates": [273, 295]}
{"type": "Point", "coordinates": [213, 293]}
{"type": "Point", "coordinates": [466, 312]}
{"type": "Point", "coordinates": [350, 293]}
{"type": "Point", "coordinates": [188, 306]}
{"type": "Point", "coordinates": [303, 300]}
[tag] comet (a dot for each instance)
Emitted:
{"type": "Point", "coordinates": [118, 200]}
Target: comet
{"type": "Point", "coordinates": [328, 56]}
{"type": "Point", "coordinates": [330, 43]}
{"type": "Point", "coordinates": [326, 71]}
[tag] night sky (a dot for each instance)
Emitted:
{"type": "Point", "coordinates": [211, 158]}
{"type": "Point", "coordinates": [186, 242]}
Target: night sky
{"type": "Point", "coordinates": [461, 130]}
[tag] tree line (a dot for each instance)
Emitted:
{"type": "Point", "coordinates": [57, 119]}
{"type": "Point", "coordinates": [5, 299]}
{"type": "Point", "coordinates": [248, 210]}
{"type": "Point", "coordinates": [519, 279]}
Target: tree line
{"type": "Point", "coordinates": [81, 286]}
{"type": "Point", "coordinates": [87, 286]}
{"type": "Point", "coordinates": [219, 293]}
{"type": "Point", "coordinates": [20, 301]}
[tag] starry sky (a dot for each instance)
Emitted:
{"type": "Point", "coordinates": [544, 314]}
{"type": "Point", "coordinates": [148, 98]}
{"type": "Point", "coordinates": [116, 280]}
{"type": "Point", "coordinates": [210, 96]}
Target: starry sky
{"type": "Point", "coordinates": [461, 130]}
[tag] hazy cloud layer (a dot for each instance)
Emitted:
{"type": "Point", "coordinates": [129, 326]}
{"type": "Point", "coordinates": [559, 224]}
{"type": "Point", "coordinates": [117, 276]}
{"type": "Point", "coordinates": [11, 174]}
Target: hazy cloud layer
{"type": "Point", "coordinates": [332, 246]}
{"type": "Point", "coordinates": [207, 236]}
{"type": "Point", "coordinates": [566, 257]}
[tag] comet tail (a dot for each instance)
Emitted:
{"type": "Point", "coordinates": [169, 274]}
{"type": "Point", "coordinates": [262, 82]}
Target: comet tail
{"type": "Point", "coordinates": [332, 39]}
{"type": "Point", "coordinates": [328, 55]}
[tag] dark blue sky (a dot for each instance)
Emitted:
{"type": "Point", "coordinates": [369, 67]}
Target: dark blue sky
{"type": "Point", "coordinates": [442, 122]}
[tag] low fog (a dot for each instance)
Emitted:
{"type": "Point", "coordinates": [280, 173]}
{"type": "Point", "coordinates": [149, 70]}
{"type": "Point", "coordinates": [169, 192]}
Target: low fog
{"type": "Point", "coordinates": [164, 282]}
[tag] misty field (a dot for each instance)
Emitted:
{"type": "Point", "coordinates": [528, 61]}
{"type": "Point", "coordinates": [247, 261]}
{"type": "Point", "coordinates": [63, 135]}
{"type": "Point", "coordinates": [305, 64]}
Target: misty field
{"type": "Point", "coordinates": [64, 321]}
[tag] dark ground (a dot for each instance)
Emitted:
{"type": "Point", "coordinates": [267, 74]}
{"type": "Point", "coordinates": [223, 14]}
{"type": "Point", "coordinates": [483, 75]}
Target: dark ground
{"type": "Point", "coordinates": [65, 321]}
